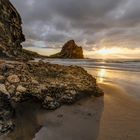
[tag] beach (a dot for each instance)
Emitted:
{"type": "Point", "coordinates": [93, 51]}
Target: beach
{"type": "Point", "coordinates": [121, 116]}
{"type": "Point", "coordinates": [116, 116]}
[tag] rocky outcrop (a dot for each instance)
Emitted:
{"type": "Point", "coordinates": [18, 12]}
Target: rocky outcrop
{"type": "Point", "coordinates": [70, 50]}
{"type": "Point", "coordinates": [11, 35]}
{"type": "Point", "coordinates": [51, 85]}
{"type": "Point", "coordinates": [6, 114]}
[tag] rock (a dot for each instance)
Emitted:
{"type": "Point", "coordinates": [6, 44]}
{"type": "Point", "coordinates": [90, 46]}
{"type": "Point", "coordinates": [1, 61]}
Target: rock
{"type": "Point", "coordinates": [35, 82]}
{"type": "Point", "coordinates": [41, 62]}
{"type": "Point", "coordinates": [49, 99]}
{"type": "Point", "coordinates": [3, 90]}
{"type": "Point", "coordinates": [50, 104]}
{"type": "Point", "coordinates": [21, 89]}
{"type": "Point", "coordinates": [67, 99]}
{"type": "Point", "coordinates": [70, 50]}
{"type": "Point", "coordinates": [2, 79]}
{"type": "Point", "coordinates": [13, 79]}
{"type": "Point", "coordinates": [6, 67]}
{"type": "Point", "coordinates": [6, 114]}
{"type": "Point", "coordinates": [11, 89]}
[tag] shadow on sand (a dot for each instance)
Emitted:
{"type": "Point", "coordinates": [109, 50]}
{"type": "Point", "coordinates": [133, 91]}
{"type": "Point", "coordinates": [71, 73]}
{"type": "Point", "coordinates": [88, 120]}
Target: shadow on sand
{"type": "Point", "coordinates": [80, 121]}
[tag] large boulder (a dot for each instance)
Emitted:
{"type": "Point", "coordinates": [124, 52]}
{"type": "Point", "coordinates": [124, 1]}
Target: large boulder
{"type": "Point", "coordinates": [51, 84]}
{"type": "Point", "coordinates": [70, 50]}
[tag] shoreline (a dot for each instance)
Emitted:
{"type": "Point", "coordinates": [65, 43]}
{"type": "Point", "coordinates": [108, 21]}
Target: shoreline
{"type": "Point", "coordinates": [115, 116]}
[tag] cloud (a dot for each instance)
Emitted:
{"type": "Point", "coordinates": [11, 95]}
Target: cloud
{"type": "Point", "coordinates": [92, 23]}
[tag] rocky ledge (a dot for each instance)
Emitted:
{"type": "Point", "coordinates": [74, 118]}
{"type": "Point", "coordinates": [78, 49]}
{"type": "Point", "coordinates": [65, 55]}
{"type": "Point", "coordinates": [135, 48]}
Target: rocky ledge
{"type": "Point", "coordinates": [50, 85]}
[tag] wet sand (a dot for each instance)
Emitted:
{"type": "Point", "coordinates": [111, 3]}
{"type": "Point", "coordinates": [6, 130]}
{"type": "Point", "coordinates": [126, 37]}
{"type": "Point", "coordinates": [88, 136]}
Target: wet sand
{"type": "Point", "coordinates": [116, 116]}
{"type": "Point", "coordinates": [121, 116]}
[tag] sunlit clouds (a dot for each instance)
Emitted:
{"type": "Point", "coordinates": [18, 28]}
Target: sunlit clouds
{"type": "Point", "coordinates": [104, 28]}
{"type": "Point", "coordinates": [116, 53]}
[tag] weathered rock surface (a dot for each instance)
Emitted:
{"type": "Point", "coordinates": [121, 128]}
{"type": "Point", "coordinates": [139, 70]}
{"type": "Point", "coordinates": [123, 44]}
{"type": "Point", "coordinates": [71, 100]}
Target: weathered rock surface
{"type": "Point", "coordinates": [70, 50]}
{"type": "Point", "coordinates": [11, 34]}
{"type": "Point", "coordinates": [6, 114]}
{"type": "Point", "coordinates": [51, 85]}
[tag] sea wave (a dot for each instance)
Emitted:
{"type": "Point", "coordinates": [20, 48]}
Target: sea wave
{"type": "Point", "coordinates": [124, 65]}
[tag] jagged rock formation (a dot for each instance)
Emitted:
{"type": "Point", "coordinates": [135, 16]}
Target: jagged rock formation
{"type": "Point", "coordinates": [51, 85]}
{"type": "Point", "coordinates": [70, 50]}
{"type": "Point", "coordinates": [11, 34]}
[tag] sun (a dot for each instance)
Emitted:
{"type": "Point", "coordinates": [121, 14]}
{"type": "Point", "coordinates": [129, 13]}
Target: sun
{"type": "Point", "coordinates": [105, 51]}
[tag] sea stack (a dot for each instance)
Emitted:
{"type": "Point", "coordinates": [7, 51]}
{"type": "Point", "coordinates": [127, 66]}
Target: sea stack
{"type": "Point", "coordinates": [70, 50]}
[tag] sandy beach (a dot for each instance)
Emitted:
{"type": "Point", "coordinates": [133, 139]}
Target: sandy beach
{"type": "Point", "coordinates": [121, 116]}
{"type": "Point", "coordinates": [115, 116]}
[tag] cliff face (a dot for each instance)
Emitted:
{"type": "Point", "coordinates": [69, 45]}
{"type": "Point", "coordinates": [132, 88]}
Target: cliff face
{"type": "Point", "coordinates": [11, 35]}
{"type": "Point", "coordinates": [70, 50]}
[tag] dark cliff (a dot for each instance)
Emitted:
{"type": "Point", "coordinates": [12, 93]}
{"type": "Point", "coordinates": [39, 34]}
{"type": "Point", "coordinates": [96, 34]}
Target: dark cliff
{"type": "Point", "coordinates": [11, 35]}
{"type": "Point", "coordinates": [70, 50]}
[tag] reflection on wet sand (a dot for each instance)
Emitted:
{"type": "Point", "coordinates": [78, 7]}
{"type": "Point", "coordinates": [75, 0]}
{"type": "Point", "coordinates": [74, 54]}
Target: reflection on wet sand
{"type": "Point", "coordinates": [101, 75]}
{"type": "Point", "coordinates": [128, 80]}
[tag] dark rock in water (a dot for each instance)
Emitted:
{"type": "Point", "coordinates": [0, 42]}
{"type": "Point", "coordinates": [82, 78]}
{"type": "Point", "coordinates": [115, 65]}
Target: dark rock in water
{"type": "Point", "coordinates": [6, 114]}
{"type": "Point", "coordinates": [70, 50]}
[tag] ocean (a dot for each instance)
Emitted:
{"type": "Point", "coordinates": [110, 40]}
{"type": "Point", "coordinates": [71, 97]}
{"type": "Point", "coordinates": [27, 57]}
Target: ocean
{"type": "Point", "coordinates": [122, 72]}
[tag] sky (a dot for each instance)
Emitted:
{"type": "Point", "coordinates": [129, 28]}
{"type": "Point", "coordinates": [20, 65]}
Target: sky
{"type": "Point", "coordinates": [104, 28]}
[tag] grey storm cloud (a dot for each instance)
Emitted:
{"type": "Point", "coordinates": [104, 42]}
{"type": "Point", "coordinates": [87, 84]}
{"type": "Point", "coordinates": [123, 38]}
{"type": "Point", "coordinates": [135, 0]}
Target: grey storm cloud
{"type": "Point", "coordinates": [89, 22]}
